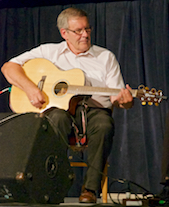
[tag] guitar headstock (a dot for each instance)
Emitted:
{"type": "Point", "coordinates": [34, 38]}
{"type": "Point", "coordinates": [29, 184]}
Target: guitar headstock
{"type": "Point", "coordinates": [150, 96]}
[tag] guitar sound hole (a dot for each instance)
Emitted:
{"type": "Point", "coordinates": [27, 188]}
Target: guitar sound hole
{"type": "Point", "coordinates": [61, 88]}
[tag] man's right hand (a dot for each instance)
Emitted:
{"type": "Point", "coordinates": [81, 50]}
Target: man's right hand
{"type": "Point", "coordinates": [36, 97]}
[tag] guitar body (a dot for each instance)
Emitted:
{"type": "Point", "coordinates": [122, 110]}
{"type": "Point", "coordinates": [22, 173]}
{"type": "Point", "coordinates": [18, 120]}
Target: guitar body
{"type": "Point", "coordinates": [35, 69]}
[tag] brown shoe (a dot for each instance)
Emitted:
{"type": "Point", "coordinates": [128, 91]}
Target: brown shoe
{"type": "Point", "coordinates": [87, 197]}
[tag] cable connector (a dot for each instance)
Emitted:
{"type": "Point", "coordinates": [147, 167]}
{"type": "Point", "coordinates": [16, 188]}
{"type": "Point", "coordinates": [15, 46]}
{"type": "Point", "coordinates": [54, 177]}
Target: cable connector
{"type": "Point", "coordinates": [5, 90]}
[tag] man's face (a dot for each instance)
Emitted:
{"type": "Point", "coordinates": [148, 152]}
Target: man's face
{"type": "Point", "coordinates": [78, 43]}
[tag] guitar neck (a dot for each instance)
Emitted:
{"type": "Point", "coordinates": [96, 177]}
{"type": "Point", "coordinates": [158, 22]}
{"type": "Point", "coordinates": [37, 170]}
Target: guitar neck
{"type": "Point", "coordinates": [89, 90]}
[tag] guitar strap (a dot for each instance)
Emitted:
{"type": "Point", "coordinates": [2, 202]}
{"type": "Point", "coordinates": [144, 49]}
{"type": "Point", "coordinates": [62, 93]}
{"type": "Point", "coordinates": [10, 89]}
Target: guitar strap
{"type": "Point", "coordinates": [80, 123]}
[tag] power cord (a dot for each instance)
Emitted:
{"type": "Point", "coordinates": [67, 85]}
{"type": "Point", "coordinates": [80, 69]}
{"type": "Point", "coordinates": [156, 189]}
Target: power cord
{"type": "Point", "coordinates": [5, 90]}
{"type": "Point", "coordinates": [128, 191]}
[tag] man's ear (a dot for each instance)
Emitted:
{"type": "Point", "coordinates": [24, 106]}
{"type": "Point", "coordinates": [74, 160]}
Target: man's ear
{"type": "Point", "coordinates": [63, 33]}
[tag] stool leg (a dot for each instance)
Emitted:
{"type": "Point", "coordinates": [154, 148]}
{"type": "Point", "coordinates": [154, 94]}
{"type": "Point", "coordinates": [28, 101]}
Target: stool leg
{"type": "Point", "coordinates": [104, 184]}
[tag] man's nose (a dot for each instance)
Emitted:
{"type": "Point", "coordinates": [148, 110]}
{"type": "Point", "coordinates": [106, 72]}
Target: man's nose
{"type": "Point", "coordinates": [85, 33]}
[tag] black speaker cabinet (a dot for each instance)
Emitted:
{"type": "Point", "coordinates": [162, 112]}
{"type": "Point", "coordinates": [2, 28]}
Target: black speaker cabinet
{"type": "Point", "coordinates": [34, 167]}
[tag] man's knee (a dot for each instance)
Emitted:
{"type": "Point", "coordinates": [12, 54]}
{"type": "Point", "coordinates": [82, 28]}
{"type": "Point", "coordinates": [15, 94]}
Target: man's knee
{"type": "Point", "coordinates": [57, 115]}
{"type": "Point", "coordinates": [60, 119]}
{"type": "Point", "coordinates": [105, 124]}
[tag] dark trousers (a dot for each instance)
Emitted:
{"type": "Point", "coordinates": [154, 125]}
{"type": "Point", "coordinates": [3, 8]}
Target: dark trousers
{"type": "Point", "coordinates": [165, 155]}
{"type": "Point", "coordinates": [100, 131]}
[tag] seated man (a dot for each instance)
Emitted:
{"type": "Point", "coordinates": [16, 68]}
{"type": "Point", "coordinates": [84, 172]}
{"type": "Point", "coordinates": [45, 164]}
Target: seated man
{"type": "Point", "coordinates": [101, 69]}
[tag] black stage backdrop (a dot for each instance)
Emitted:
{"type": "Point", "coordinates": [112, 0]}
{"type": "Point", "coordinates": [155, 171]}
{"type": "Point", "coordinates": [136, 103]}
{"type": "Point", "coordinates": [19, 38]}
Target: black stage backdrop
{"type": "Point", "coordinates": [137, 32]}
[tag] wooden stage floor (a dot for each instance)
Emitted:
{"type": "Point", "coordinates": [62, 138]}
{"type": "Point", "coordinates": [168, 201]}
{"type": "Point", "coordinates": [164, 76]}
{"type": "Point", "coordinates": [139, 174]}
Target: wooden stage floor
{"type": "Point", "coordinates": [73, 202]}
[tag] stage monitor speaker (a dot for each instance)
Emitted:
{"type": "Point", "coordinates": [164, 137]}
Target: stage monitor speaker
{"type": "Point", "coordinates": [34, 167]}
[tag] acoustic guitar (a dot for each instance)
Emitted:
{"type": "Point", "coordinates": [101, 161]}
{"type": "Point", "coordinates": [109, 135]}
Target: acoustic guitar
{"type": "Point", "coordinates": [60, 86]}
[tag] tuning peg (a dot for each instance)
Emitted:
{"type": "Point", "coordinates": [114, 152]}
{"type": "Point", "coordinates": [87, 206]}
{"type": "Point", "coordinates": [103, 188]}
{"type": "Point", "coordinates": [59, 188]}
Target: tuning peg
{"type": "Point", "coordinates": [160, 92]}
{"type": "Point", "coordinates": [141, 87]}
{"type": "Point", "coordinates": [153, 90]}
{"type": "Point", "coordinates": [156, 104]}
{"type": "Point", "coordinates": [150, 103]}
{"type": "Point", "coordinates": [143, 103]}
{"type": "Point", "coordinates": [147, 88]}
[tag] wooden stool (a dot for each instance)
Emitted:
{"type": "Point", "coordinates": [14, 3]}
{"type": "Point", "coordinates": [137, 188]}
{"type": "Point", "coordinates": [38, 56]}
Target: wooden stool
{"type": "Point", "coordinates": [104, 181]}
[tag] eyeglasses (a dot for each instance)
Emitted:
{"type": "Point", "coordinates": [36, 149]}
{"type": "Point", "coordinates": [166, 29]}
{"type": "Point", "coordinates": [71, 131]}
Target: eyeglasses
{"type": "Point", "coordinates": [80, 31]}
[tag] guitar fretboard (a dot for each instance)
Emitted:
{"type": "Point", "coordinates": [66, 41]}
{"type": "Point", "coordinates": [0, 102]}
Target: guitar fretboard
{"type": "Point", "coordinates": [88, 90]}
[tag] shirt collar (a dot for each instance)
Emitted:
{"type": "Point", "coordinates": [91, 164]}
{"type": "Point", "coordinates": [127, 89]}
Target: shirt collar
{"type": "Point", "coordinates": [65, 47]}
{"type": "Point", "coordinates": [90, 52]}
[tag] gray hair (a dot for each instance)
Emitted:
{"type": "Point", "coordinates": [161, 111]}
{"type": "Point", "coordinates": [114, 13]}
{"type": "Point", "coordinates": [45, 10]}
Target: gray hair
{"type": "Point", "coordinates": [65, 15]}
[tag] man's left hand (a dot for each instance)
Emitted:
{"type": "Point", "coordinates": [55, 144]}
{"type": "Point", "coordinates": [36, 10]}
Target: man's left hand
{"type": "Point", "coordinates": [124, 99]}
